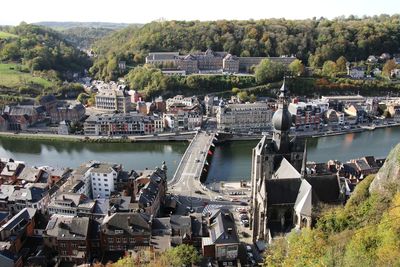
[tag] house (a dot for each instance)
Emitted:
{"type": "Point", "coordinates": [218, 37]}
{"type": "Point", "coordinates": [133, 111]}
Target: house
{"type": "Point", "coordinates": [71, 204]}
{"type": "Point", "coordinates": [11, 171]}
{"type": "Point", "coordinates": [6, 191]}
{"type": "Point", "coordinates": [356, 72]}
{"type": "Point", "coordinates": [125, 231]}
{"type": "Point", "coordinates": [223, 241]}
{"type": "Point", "coordinates": [31, 175]}
{"type": "Point", "coordinates": [49, 102]}
{"type": "Point", "coordinates": [18, 229]}
{"type": "Point", "coordinates": [69, 236]}
{"type": "Point", "coordinates": [33, 196]}
{"type": "Point", "coordinates": [149, 190]}
{"type": "Point", "coordinates": [372, 59]}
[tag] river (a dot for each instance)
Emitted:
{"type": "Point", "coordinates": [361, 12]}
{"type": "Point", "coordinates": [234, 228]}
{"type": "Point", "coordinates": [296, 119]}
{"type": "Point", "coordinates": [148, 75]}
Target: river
{"type": "Point", "coordinates": [231, 161]}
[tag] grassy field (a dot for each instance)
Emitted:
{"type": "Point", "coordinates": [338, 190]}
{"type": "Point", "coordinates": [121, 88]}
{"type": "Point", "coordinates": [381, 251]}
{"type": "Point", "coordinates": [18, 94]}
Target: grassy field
{"type": "Point", "coordinates": [4, 35]}
{"type": "Point", "coordinates": [11, 76]}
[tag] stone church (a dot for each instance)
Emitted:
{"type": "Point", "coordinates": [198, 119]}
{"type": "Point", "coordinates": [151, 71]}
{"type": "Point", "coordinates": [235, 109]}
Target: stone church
{"type": "Point", "coordinates": [283, 194]}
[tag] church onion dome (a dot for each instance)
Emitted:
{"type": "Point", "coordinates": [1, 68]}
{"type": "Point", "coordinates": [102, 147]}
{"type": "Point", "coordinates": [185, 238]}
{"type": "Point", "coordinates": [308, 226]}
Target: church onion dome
{"type": "Point", "coordinates": [282, 120]}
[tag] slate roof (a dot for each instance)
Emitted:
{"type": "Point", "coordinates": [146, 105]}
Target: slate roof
{"type": "Point", "coordinates": [29, 174]}
{"type": "Point", "coordinates": [222, 227]}
{"type": "Point", "coordinates": [282, 191]}
{"type": "Point", "coordinates": [68, 227]}
{"type": "Point", "coordinates": [25, 214]}
{"type": "Point", "coordinates": [326, 188]}
{"type": "Point", "coordinates": [128, 222]}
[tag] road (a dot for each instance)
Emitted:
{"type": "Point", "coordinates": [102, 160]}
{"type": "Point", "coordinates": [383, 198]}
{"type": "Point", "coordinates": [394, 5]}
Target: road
{"type": "Point", "coordinates": [186, 181]}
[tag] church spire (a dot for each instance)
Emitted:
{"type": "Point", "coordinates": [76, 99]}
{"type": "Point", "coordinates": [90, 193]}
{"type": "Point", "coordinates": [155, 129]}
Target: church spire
{"type": "Point", "coordinates": [281, 122]}
{"type": "Point", "coordinates": [303, 171]}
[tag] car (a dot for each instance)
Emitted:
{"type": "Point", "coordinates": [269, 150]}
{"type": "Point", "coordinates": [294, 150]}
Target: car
{"type": "Point", "coordinates": [252, 262]}
{"type": "Point", "coordinates": [219, 198]}
{"type": "Point", "coordinates": [190, 209]}
{"type": "Point", "coordinates": [250, 255]}
{"type": "Point", "coordinates": [248, 248]}
{"type": "Point", "coordinates": [244, 218]}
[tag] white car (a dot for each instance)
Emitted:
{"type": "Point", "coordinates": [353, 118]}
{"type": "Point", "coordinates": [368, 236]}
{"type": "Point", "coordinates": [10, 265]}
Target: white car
{"type": "Point", "coordinates": [248, 248]}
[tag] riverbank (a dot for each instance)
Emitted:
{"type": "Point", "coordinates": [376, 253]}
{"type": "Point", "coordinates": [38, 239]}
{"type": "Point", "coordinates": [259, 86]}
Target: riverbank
{"type": "Point", "coordinates": [168, 137]}
{"type": "Point", "coordinates": [309, 134]}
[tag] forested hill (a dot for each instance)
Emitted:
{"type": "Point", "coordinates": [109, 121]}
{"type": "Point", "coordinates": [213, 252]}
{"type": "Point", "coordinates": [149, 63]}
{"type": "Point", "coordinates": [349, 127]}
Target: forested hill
{"type": "Point", "coordinates": [312, 40]}
{"type": "Point", "coordinates": [40, 48]}
{"type": "Point", "coordinates": [84, 37]}
{"type": "Point", "coordinates": [56, 25]}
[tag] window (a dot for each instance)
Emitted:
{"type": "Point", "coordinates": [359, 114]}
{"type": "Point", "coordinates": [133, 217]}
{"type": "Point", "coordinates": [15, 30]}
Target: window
{"type": "Point", "coordinates": [106, 190]}
{"type": "Point", "coordinates": [105, 180]}
{"type": "Point", "coordinates": [105, 174]}
{"type": "Point", "coordinates": [118, 240]}
{"type": "Point", "coordinates": [110, 240]}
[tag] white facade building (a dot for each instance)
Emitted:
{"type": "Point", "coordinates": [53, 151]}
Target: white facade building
{"type": "Point", "coordinates": [103, 177]}
{"type": "Point", "coordinates": [244, 117]}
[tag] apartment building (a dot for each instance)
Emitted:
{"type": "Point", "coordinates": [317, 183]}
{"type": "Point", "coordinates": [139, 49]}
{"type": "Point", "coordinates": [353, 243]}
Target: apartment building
{"type": "Point", "coordinates": [113, 100]}
{"type": "Point", "coordinates": [244, 117]}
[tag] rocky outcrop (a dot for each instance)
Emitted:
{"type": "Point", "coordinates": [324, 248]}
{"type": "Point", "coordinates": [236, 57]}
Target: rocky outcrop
{"type": "Point", "coordinates": [388, 177]}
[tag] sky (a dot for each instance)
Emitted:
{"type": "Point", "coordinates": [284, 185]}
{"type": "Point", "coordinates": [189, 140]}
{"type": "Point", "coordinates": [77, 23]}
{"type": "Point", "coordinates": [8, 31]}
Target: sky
{"type": "Point", "coordinates": [143, 11]}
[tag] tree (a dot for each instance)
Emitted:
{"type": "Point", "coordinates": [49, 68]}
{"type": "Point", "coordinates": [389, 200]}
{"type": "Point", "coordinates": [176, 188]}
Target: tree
{"type": "Point", "coordinates": [269, 71]}
{"type": "Point", "coordinates": [388, 67]}
{"type": "Point", "coordinates": [183, 255]}
{"type": "Point", "coordinates": [243, 96]}
{"type": "Point", "coordinates": [235, 90]}
{"type": "Point", "coordinates": [296, 68]}
{"type": "Point", "coordinates": [148, 80]}
{"type": "Point", "coordinates": [329, 68]}
{"type": "Point", "coordinates": [341, 64]}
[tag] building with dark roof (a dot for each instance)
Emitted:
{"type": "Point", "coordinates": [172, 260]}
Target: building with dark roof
{"type": "Point", "coordinates": [223, 241]}
{"type": "Point", "coordinates": [124, 231]}
{"type": "Point", "coordinates": [69, 236]}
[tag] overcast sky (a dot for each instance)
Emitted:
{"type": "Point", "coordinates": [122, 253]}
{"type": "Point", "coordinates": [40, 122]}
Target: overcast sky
{"type": "Point", "coordinates": [142, 11]}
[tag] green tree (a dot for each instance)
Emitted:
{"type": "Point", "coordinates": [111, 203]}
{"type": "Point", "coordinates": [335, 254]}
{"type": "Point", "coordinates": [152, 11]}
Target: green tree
{"type": "Point", "coordinates": [148, 80]}
{"type": "Point", "coordinates": [296, 68]}
{"type": "Point", "coordinates": [235, 90]}
{"type": "Point", "coordinates": [329, 68]}
{"type": "Point", "coordinates": [269, 71]}
{"type": "Point", "coordinates": [183, 255]}
{"type": "Point", "coordinates": [341, 64]}
{"type": "Point", "coordinates": [243, 96]}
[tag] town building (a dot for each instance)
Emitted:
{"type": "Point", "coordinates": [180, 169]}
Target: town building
{"type": "Point", "coordinates": [124, 231]}
{"type": "Point", "coordinates": [122, 124]}
{"type": "Point", "coordinates": [103, 177]}
{"type": "Point", "coordinates": [306, 115]}
{"type": "Point", "coordinates": [71, 204]}
{"type": "Point", "coordinates": [69, 237]}
{"type": "Point", "coordinates": [255, 117]}
{"type": "Point", "coordinates": [223, 242]}
{"type": "Point", "coordinates": [113, 100]}
{"type": "Point", "coordinates": [182, 120]}
{"type": "Point", "coordinates": [208, 62]}
{"type": "Point", "coordinates": [187, 102]}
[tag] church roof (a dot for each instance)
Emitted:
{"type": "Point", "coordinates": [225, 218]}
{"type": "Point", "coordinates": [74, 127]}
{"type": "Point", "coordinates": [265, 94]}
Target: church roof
{"type": "Point", "coordinates": [326, 188]}
{"type": "Point", "coordinates": [282, 191]}
{"type": "Point", "coordinates": [303, 203]}
{"type": "Point", "coordinates": [286, 171]}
